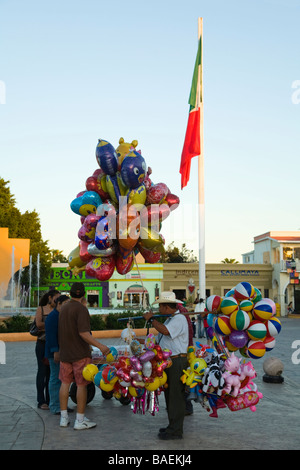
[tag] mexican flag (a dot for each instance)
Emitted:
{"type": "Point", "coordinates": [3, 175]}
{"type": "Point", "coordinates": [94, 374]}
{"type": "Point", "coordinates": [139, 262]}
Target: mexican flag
{"type": "Point", "coordinates": [192, 146]}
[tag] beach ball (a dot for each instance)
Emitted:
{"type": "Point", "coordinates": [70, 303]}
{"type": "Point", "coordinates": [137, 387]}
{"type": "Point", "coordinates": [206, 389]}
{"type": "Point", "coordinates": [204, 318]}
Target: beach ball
{"type": "Point", "coordinates": [213, 303]}
{"type": "Point", "coordinates": [244, 290]}
{"type": "Point", "coordinates": [238, 338]}
{"type": "Point", "coordinates": [222, 326]}
{"type": "Point", "coordinates": [264, 309]}
{"type": "Point", "coordinates": [269, 343]}
{"type": "Point", "coordinates": [273, 326]}
{"type": "Point", "coordinates": [230, 293]}
{"type": "Point", "coordinates": [211, 319]}
{"type": "Point", "coordinates": [230, 346]}
{"type": "Point", "coordinates": [239, 320]}
{"type": "Point", "coordinates": [256, 349]}
{"type": "Point", "coordinates": [229, 305]}
{"type": "Point", "coordinates": [89, 372]}
{"type": "Point", "coordinates": [246, 305]}
{"type": "Point", "coordinates": [258, 296]}
{"type": "Point", "coordinates": [244, 351]}
{"type": "Point", "coordinates": [257, 330]}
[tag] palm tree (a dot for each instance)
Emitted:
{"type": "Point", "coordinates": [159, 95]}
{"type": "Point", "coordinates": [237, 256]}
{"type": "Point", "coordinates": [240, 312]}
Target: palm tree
{"type": "Point", "coordinates": [229, 261]}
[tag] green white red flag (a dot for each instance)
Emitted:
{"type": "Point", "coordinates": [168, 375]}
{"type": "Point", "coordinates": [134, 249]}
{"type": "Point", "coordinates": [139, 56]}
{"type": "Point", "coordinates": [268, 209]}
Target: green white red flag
{"type": "Point", "coordinates": [192, 143]}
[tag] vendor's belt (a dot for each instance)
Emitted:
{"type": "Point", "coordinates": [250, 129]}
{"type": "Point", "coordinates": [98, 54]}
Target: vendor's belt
{"type": "Point", "coordinates": [179, 355]}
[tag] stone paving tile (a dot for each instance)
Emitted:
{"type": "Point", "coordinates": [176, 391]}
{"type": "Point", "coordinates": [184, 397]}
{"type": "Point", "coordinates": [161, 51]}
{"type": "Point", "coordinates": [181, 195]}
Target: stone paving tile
{"type": "Point", "coordinates": [274, 425]}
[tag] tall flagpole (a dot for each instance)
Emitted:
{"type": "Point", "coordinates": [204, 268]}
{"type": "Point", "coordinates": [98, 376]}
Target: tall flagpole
{"type": "Point", "coordinates": [202, 283]}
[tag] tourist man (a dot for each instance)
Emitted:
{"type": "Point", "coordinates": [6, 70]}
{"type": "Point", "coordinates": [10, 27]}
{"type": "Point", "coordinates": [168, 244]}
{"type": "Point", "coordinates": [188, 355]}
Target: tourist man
{"type": "Point", "coordinates": [74, 336]}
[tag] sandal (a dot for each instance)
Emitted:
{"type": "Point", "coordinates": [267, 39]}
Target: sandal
{"type": "Point", "coordinates": [44, 406]}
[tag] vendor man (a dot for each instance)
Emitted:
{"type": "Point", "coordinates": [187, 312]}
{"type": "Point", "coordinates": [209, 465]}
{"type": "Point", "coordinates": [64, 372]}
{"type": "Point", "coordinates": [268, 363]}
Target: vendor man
{"type": "Point", "coordinates": [173, 335]}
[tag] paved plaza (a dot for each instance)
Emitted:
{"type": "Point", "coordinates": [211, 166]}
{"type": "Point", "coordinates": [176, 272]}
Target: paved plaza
{"type": "Point", "coordinates": [273, 426]}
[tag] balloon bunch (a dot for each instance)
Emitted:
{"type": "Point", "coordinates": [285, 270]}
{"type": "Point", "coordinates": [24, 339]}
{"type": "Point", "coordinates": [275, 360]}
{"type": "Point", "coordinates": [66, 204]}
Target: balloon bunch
{"type": "Point", "coordinates": [215, 381]}
{"type": "Point", "coordinates": [141, 376]}
{"type": "Point", "coordinates": [245, 321]}
{"type": "Point", "coordinates": [121, 213]}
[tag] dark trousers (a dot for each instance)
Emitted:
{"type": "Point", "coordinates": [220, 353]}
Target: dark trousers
{"type": "Point", "coordinates": [43, 374]}
{"type": "Point", "coordinates": [175, 396]}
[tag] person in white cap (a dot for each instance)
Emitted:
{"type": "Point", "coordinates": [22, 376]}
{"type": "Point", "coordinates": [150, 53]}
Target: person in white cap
{"type": "Point", "coordinates": [173, 335]}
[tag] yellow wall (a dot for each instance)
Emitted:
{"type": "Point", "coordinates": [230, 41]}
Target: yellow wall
{"type": "Point", "coordinates": [21, 252]}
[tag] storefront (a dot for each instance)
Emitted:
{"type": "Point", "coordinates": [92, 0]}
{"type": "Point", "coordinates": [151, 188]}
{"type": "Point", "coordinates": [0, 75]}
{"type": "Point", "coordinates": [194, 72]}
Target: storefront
{"type": "Point", "coordinates": [183, 279]}
{"type": "Point", "coordinates": [141, 286]}
{"type": "Point", "coordinates": [61, 278]}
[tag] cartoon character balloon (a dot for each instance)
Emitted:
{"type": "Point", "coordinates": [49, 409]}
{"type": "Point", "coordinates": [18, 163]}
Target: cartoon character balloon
{"type": "Point", "coordinates": [110, 233]}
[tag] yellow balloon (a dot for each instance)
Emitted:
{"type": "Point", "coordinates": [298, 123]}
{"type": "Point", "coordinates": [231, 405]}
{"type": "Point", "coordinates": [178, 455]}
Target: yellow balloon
{"type": "Point", "coordinates": [106, 387]}
{"type": "Point", "coordinates": [89, 372]}
{"type": "Point", "coordinates": [74, 259]}
{"type": "Point", "coordinates": [163, 379]}
{"type": "Point", "coordinates": [124, 148]}
{"type": "Point", "coordinates": [132, 391]}
{"type": "Point", "coordinates": [151, 386]}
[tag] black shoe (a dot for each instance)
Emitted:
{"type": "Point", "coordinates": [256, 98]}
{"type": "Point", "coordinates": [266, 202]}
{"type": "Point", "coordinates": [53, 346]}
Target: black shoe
{"type": "Point", "coordinates": [162, 430]}
{"type": "Point", "coordinates": [165, 436]}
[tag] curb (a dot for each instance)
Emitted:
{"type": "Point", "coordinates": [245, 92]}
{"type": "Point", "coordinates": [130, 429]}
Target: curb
{"type": "Point", "coordinates": [10, 337]}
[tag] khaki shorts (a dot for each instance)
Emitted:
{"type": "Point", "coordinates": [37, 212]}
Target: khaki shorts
{"type": "Point", "coordinates": [72, 371]}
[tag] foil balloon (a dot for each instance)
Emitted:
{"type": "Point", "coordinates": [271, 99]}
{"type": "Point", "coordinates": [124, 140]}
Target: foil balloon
{"type": "Point", "coordinates": [94, 251]}
{"type": "Point", "coordinates": [101, 268]}
{"type": "Point", "coordinates": [88, 228]}
{"type": "Point", "coordinates": [128, 227]}
{"type": "Point", "coordinates": [86, 204]}
{"type": "Point", "coordinates": [152, 239]}
{"type": "Point", "coordinates": [123, 149]}
{"type": "Point", "coordinates": [124, 260]}
{"type": "Point", "coordinates": [97, 183]}
{"type": "Point", "coordinates": [157, 193]}
{"type": "Point", "coordinates": [74, 258]}
{"type": "Point", "coordinates": [106, 157]}
{"type": "Point", "coordinates": [104, 234]}
{"type": "Point", "coordinates": [150, 256]}
{"type": "Point", "coordinates": [133, 169]}
{"type": "Point", "coordinates": [115, 187]}
{"type": "Point", "coordinates": [85, 256]}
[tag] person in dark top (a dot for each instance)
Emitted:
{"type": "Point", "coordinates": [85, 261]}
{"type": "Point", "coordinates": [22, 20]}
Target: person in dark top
{"type": "Point", "coordinates": [52, 353]}
{"type": "Point", "coordinates": [75, 338]}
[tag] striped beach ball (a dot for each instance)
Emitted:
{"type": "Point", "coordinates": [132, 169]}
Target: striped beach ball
{"type": "Point", "coordinates": [257, 330]}
{"type": "Point", "coordinates": [222, 326]}
{"type": "Point", "coordinates": [273, 326]}
{"type": "Point", "coordinates": [244, 290]}
{"type": "Point", "coordinates": [256, 349]}
{"type": "Point", "coordinates": [257, 297]}
{"type": "Point", "coordinates": [239, 320]}
{"type": "Point", "coordinates": [229, 305]}
{"type": "Point", "coordinates": [230, 293]}
{"type": "Point", "coordinates": [213, 303]}
{"type": "Point", "coordinates": [269, 343]}
{"type": "Point", "coordinates": [264, 309]}
{"type": "Point", "coordinates": [246, 305]}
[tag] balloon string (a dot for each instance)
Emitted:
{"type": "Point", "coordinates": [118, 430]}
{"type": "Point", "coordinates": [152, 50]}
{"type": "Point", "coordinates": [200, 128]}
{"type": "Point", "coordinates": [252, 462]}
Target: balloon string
{"type": "Point", "coordinates": [145, 303]}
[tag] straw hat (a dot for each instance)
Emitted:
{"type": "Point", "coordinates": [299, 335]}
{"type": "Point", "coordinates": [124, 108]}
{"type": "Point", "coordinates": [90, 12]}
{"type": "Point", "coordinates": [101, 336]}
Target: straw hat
{"type": "Point", "coordinates": [167, 297]}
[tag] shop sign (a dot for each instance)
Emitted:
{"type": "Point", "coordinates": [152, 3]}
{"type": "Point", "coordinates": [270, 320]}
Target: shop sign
{"type": "Point", "coordinates": [236, 272]}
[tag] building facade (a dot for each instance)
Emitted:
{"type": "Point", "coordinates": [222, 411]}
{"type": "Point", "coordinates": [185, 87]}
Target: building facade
{"type": "Point", "coordinates": [281, 250]}
{"type": "Point", "coordinates": [182, 278]}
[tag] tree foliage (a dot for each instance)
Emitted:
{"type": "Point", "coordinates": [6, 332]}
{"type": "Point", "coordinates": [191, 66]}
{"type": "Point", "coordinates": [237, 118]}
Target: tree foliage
{"type": "Point", "coordinates": [229, 261]}
{"type": "Point", "coordinates": [174, 254]}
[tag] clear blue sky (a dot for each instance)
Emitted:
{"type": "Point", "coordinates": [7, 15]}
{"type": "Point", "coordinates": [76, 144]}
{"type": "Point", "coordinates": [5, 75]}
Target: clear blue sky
{"type": "Point", "coordinates": [77, 71]}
